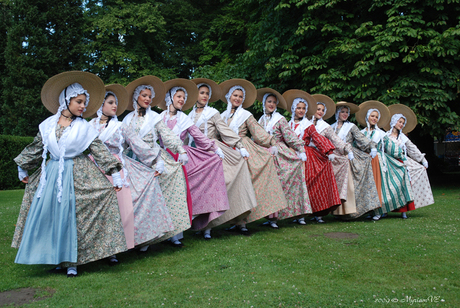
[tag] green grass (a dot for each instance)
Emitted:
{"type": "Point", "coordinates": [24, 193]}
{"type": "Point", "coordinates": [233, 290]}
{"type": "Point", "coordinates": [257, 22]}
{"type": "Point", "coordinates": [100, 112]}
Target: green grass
{"type": "Point", "coordinates": [296, 266]}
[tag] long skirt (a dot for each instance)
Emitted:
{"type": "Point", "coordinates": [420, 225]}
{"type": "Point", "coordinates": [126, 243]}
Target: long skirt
{"type": "Point", "coordinates": [420, 184]}
{"type": "Point", "coordinates": [320, 181]}
{"type": "Point", "coordinates": [142, 206]}
{"type": "Point", "coordinates": [85, 226]}
{"type": "Point", "coordinates": [396, 190]}
{"type": "Point", "coordinates": [206, 180]}
{"type": "Point", "coordinates": [269, 193]}
{"type": "Point", "coordinates": [292, 179]}
{"type": "Point", "coordinates": [174, 189]}
{"type": "Point", "coordinates": [365, 191]}
{"type": "Point", "coordinates": [240, 192]}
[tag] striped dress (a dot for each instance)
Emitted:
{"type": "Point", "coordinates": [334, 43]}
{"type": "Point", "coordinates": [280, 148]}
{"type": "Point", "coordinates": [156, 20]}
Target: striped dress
{"type": "Point", "coordinates": [395, 186]}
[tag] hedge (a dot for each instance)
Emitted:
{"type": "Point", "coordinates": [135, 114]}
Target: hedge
{"type": "Point", "coordinates": [10, 147]}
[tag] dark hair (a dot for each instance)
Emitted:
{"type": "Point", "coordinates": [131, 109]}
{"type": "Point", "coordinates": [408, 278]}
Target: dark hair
{"type": "Point", "coordinates": [271, 94]}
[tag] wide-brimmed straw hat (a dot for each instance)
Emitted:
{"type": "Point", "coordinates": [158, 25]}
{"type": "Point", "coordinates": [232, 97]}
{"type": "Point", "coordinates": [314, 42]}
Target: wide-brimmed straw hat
{"type": "Point", "coordinates": [329, 102]}
{"type": "Point", "coordinates": [291, 95]}
{"type": "Point", "coordinates": [215, 89]}
{"type": "Point", "coordinates": [188, 85]}
{"type": "Point", "coordinates": [56, 84]}
{"type": "Point", "coordinates": [405, 111]}
{"type": "Point", "coordinates": [281, 101]}
{"type": "Point", "coordinates": [251, 92]}
{"type": "Point", "coordinates": [353, 107]}
{"type": "Point", "coordinates": [364, 107]}
{"type": "Point", "coordinates": [148, 80]}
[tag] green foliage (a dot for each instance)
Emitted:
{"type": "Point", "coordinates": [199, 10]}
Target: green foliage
{"type": "Point", "coordinates": [404, 52]}
{"type": "Point", "coordinates": [126, 40]}
{"type": "Point", "coordinates": [10, 147]}
{"type": "Point", "coordinates": [43, 39]}
{"type": "Point", "coordinates": [396, 52]}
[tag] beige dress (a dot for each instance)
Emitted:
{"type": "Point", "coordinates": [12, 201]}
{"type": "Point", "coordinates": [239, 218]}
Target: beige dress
{"type": "Point", "coordinates": [269, 193]}
{"type": "Point", "coordinates": [241, 195]}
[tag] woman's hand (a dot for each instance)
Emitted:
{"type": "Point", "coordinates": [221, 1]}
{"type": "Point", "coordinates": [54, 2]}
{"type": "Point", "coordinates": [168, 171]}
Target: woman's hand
{"type": "Point", "coordinates": [25, 180]}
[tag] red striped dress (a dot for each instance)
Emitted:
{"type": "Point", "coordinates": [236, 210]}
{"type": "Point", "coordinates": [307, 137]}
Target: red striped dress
{"type": "Point", "coordinates": [319, 176]}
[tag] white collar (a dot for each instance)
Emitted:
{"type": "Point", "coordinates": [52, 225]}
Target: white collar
{"type": "Point", "coordinates": [151, 119]}
{"type": "Point", "coordinates": [239, 117]}
{"type": "Point", "coordinates": [105, 134]}
{"type": "Point", "coordinates": [268, 125]}
{"type": "Point", "coordinates": [346, 126]}
{"type": "Point", "coordinates": [182, 122]}
{"type": "Point", "coordinates": [321, 125]}
{"type": "Point", "coordinates": [303, 125]}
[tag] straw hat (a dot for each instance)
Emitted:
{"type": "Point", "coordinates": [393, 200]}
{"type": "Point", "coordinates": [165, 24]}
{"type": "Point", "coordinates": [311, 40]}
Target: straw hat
{"type": "Point", "coordinates": [261, 92]}
{"type": "Point", "coordinates": [148, 80]}
{"type": "Point", "coordinates": [353, 107]}
{"type": "Point", "coordinates": [251, 92]}
{"type": "Point", "coordinates": [330, 105]}
{"type": "Point", "coordinates": [364, 107]}
{"type": "Point", "coordinates": [56, 84]}
{"type": "Point", "coordinates": [215, 89]}
{"type": "Point", "coordinates": [405, 111]}
{"type": "Point", "coordinates": [291, 95]}
{"type": "Point", "coordinates": [188, 85]}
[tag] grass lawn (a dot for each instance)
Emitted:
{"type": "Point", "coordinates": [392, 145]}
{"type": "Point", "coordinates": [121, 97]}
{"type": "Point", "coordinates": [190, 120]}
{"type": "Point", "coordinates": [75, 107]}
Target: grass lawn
{"type": "Point", "coordinates": [389, 263]}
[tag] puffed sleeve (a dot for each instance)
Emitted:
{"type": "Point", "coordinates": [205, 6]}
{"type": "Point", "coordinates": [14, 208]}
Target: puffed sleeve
{"type": "Point", "coordinates": [290, 137]}
{"type": "Point", "coordinates": [168, 138]}
{"type": "Point", "coordinates": [360, 140]}
{"type": "Point", "coordinates": [342, 147]}
{"type": "Point", "coordinates": [201, 141]}
{"type": "Point", "coordinates": [414, 153]}
{"type": "Point", "coordinates": [104, 159]}
{"type": "Point", "coordinates": [258, 133]}
{"type": "Point", "coordinates": [31, 156]}
{"type": "Point", "coordinates": [227, 135]}
{"type": "Point", "coordinates": [323, 144]}
{"type": "Point", "coordinates": [146, 154]}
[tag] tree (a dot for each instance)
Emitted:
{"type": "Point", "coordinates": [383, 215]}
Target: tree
{"type": "Point", "coordinates": [45, 38]}
{"type": "Point", "coordinates": [396, 52]}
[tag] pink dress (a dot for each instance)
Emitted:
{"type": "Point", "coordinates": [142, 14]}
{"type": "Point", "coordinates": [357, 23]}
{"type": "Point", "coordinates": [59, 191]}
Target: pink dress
{"type": "Point", "coordinates": [205, 174]}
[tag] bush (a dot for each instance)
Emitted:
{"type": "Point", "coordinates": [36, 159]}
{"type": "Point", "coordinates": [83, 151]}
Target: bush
{"type": "Point", "coordinates": [10, 147]}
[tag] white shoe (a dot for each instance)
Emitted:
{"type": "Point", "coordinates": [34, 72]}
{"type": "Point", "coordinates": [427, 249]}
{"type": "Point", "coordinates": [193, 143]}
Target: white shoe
{"type": "Point", "coordinates": [273, 225]}
{"type": "Point", "coordinates": [144, 248]}
{"type": "Point", "coordinates": [301, 221]}
{"type": "Point", "coordinates": [376, 217]}
{"type": "Point", "coordinates": [404, 215]}
{"type": "Point", "coordinates": [207, 234]}
{"type": "Point", "coordinates": [319, 219]}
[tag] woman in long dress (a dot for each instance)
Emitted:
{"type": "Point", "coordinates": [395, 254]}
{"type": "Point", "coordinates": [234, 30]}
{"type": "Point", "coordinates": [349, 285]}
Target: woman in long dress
{"type": "Point", "coordinates": [289, 160]}
{"type": "Point", "coordinates": [204, 169]}
{"type": "Point", "coordinates": [241, 195]}
{"type": "Point", "coordinates": [319, 176]}
{"type": "Point", "coordinates": [390, 174]}
{"type": "Point", "coordinates": [403, 121]}
{"type": "Point", "coordinates": [240, 94]}
{"type": "Point", "coordinates": [142, 206]}
{"type": "Point", "coordinates": [69, 215]}
{"type": "Point", "coordinates": [365, 191]}
{"type": "Point", "coordinates": [343, 152]}
{"type": "Point", "coordinates": [145, 92]}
